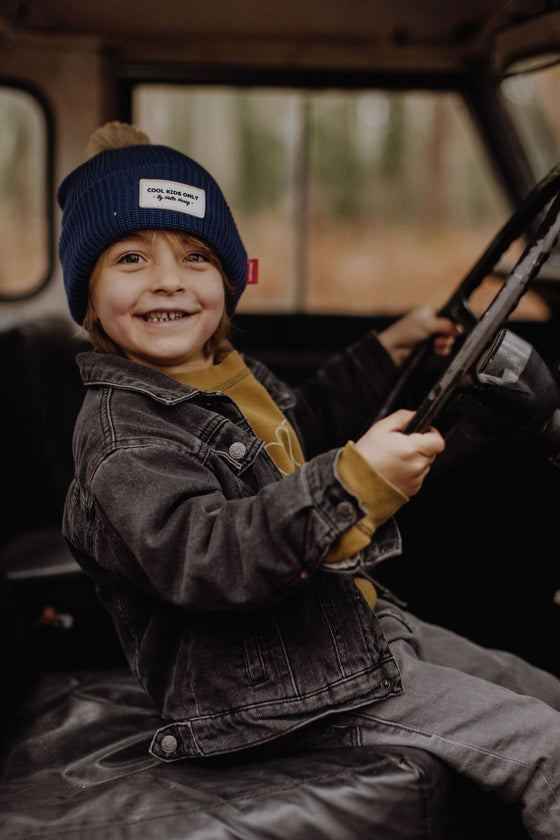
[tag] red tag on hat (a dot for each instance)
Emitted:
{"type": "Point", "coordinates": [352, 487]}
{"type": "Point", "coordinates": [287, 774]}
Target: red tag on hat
{"type": "Point", "coordinates": [252, 272]}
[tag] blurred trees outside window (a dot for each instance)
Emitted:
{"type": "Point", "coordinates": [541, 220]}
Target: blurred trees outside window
{"type": "Point", "coordinates": [24, 224]}
{"type": "Point", "coordinates": [532, 99]}
{"type": "Point", "coordinates": [353, 201]}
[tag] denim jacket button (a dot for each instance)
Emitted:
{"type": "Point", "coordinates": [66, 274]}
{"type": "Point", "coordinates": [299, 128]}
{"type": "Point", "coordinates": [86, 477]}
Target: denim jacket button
{"type": "Point", "coordinates": [345, 512]}
{"type": "Point", "coordinates": [169, 744]}
{"type": "Point", "coordinates": [237, 450]}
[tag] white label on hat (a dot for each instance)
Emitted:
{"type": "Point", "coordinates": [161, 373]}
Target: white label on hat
{"type": "Point", "coordinates": [170, 195]}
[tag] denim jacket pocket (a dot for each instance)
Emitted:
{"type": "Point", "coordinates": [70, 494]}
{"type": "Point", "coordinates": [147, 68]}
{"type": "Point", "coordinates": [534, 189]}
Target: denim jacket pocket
{"type": "Point", "coordinates": [255, 668]}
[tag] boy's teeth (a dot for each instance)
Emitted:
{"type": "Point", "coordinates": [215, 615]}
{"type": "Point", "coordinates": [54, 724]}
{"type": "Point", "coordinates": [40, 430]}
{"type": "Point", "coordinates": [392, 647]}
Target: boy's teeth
{"type": "Point", "coordinates": [163, 316]}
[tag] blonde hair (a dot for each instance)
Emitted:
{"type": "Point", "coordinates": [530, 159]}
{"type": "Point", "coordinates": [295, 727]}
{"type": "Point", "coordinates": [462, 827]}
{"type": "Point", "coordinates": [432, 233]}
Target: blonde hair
{"type": "Point", "coordinates": [116, 135]}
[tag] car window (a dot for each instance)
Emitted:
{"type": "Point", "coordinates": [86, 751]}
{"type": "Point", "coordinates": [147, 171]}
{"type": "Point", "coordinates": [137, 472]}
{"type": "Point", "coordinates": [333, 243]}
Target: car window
{"type": "Point", "coordinates": [532, 99]}
{"type": "Point", "coordinates": [353, 201]}
{"type": "Point", "coordinates": [25, 236]}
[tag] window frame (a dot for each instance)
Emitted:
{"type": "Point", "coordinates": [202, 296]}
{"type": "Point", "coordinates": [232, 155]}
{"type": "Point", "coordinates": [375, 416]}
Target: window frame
{"type": "Point", "coordinates": [23, 86]}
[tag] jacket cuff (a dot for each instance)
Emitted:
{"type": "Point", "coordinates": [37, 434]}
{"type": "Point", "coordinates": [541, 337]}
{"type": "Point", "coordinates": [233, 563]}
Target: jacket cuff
{"type": "Point", "coordinates": [376, 495]}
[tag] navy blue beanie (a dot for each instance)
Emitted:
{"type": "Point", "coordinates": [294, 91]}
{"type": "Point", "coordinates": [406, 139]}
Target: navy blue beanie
{"type": "Point", "coordinates": [142, 187]}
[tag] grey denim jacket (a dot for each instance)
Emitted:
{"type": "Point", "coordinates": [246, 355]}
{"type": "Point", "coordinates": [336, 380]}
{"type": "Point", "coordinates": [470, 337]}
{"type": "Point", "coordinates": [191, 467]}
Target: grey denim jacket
{"type": "Point", "coordinates": [210, 562]}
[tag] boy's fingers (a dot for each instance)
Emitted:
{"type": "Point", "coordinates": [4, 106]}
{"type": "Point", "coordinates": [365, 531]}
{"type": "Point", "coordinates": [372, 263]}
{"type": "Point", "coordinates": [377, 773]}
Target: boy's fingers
{"type": "Point", "coordinates": [449, 327]}
{"type": "Point", "coordinates": [398, 420]}
{"type": "Point", "coordinates": [430, 442]}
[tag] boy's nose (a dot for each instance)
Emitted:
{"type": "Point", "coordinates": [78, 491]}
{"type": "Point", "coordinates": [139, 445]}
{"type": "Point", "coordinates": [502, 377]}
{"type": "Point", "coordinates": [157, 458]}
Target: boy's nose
{"type": "Point", "coordinates": [168, 278]}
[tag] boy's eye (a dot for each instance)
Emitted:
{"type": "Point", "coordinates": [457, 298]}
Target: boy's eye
{"type": "Point", "coordinates": [130, 259]}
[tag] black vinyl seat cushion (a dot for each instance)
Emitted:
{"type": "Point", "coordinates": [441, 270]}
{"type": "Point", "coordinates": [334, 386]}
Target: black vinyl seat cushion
{"type": "Point", "coordinates": [76, 767]}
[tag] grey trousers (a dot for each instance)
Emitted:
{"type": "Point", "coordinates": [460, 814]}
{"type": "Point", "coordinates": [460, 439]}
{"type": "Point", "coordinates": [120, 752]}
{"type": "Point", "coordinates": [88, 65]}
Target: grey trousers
{"type": "Point", "coordinates": [488, 714]}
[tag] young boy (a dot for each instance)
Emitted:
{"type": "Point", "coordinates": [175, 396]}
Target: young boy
{"type": "Point", "coordinates": [231, 524]}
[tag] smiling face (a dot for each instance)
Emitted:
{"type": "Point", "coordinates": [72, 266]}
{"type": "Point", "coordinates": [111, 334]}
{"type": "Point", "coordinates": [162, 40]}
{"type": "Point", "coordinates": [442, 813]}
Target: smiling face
{"type": "Point", "coordinates": [160, 298]}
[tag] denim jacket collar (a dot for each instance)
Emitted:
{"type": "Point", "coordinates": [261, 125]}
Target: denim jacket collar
{"type": "Point", "coordinates": [118, 372]}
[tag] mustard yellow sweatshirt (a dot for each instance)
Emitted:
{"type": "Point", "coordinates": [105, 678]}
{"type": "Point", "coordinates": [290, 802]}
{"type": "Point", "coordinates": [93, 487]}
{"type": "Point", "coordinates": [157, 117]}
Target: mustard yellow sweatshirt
{"type": "Point", "coordinates": [381, 500]}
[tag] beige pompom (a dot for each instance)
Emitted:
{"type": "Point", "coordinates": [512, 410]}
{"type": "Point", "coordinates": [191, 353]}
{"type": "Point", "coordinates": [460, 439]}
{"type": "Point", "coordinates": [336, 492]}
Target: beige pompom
{"type": "Point", "coordinates": [114, 135]}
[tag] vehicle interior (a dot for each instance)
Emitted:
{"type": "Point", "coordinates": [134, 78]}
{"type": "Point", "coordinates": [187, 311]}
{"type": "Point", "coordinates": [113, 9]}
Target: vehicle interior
{"type": "Point", "coordinates": [374, 155]}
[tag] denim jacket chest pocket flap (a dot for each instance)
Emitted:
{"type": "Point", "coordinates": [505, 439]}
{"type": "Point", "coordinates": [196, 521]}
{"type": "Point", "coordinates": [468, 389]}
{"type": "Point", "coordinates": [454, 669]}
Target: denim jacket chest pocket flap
{"type": "Point", "coordinates": [232, 442]}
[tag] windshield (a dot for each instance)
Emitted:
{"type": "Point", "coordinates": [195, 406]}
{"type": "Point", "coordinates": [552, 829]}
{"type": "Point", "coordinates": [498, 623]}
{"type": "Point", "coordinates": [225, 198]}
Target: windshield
{"type": "Point", "coordinates": [354, 201]}
{"type": "Point", "coordinates": [534, 104]}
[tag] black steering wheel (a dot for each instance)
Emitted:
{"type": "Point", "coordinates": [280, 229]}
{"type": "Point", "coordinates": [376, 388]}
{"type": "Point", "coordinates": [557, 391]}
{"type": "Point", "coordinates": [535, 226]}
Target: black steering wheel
{"type": "Point", "coordinates": [480, 333]}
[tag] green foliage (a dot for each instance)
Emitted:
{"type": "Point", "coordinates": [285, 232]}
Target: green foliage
{"type": "Point", "coordinates": [337, 169]}
{"type": "Point", "coordinates": [261, 159]}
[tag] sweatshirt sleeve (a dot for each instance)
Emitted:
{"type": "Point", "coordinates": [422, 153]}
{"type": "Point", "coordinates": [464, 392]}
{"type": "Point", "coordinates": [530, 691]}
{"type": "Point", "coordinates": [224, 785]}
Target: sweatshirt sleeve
{"type": "Point", "coordinates": [375, 494]}
{"type": "Point", "coordinates": [341, 401]}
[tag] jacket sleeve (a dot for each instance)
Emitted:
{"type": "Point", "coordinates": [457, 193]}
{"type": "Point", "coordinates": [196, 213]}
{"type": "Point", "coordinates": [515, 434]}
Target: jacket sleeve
{"type": "Point", "coordinates": [162, 520]}
{"type": "Point", "coordinates": [340, 402]}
